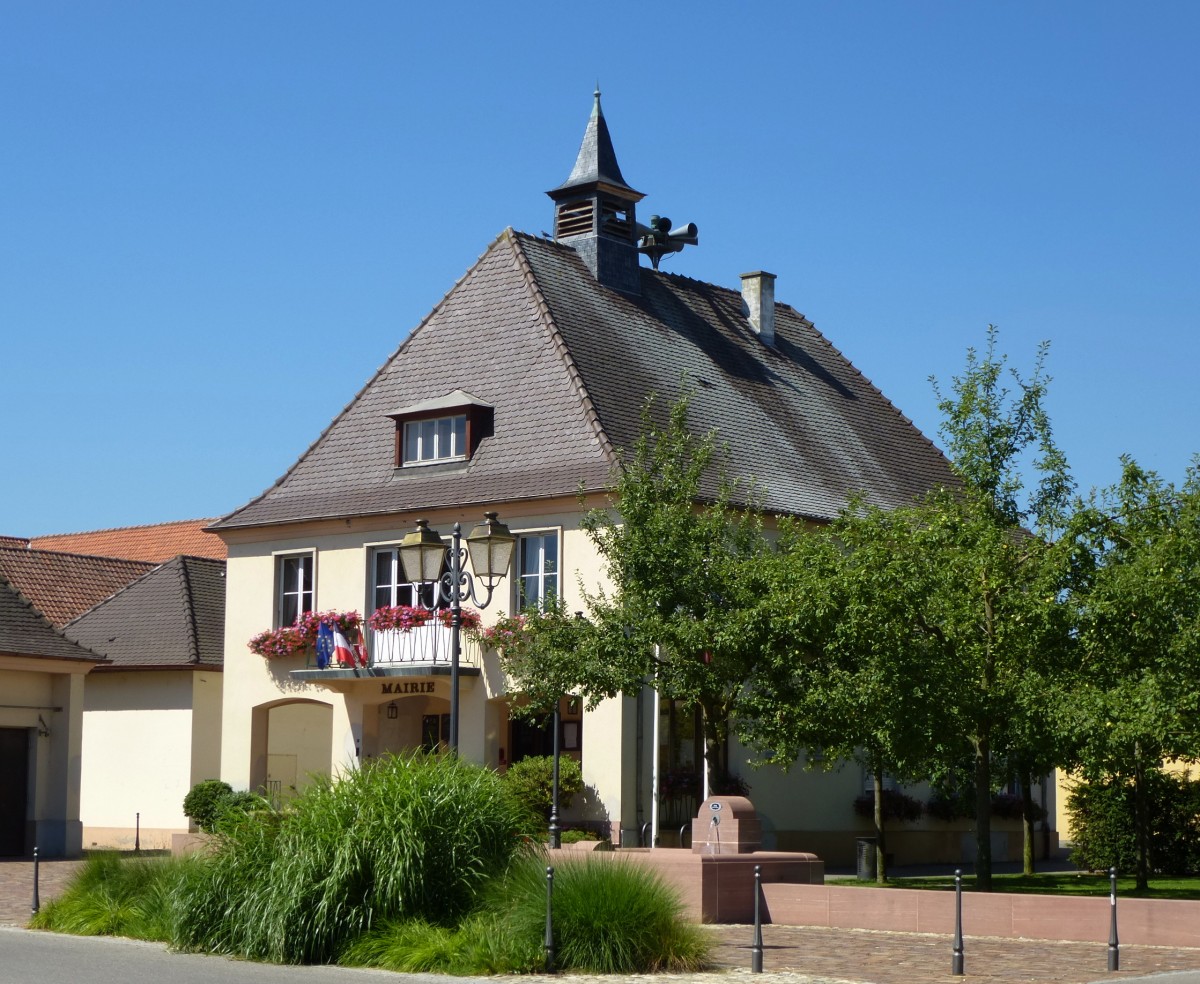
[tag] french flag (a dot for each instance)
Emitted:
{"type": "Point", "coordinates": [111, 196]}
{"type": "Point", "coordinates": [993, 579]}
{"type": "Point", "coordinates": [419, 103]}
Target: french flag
{"type": "Point", "coordinates": [333, 647]}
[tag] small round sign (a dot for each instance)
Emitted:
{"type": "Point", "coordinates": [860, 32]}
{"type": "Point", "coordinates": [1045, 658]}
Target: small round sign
{"type": "Point", "coordinates": [714, 806]}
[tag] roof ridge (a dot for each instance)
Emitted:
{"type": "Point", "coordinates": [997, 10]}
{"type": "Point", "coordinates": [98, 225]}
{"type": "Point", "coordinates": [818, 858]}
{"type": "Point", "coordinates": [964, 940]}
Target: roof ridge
{"type": "Point", "coordinates": [591, 414]}
{"type": "Point", "coordinates": [154, 569]}
{"type": "Point", "coordinates": [27, 551]}
{"type": "Point", "coordinates": [189, 609]}
{"type": "Point", "coordinates": [217, 524]}
{"type": "Point", "coordinates": [126, 529]}
{"type": "Point", "coordinates": [28, 603]}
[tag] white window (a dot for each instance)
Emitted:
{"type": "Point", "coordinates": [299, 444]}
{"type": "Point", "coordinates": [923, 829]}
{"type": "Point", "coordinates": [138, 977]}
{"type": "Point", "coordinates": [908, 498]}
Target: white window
{"type": "Point", "coordinates": [389, 586]}
{"type": "Point", "coordinates": [537, 580]}
{"type": "Point", "coordinates": [439, 439]}
{"type": "Point", "coordinates": [294, 577]}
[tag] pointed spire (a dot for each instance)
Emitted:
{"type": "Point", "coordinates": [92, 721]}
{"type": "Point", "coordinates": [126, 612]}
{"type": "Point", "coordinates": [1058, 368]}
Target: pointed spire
{"type": "Point", "coordinates": [597, 161]}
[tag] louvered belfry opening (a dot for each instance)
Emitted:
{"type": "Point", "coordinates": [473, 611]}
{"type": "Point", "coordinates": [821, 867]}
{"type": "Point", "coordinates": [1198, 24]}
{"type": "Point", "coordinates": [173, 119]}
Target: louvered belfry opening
{"type": "Point", "coordinates": [595, 210]}
{"type": "Point", "coordinates": [574, 218]}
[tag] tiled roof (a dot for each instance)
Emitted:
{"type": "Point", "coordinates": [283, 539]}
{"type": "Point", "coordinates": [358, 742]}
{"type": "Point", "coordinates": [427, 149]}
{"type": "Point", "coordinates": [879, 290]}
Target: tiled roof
{"type": "Point", "coordinates": [568, 366]}
{"type": "Point", "coordinates": [24, 631]}
{"type": "Point", "coordinates": [14, 541]}
{"type": "Point", "coordinates": [155, 544]}
{"type": "Point", "coordinates": [64, 585]}
{"type": "Point", "coordinates": [172, 616]}
{"type": "Point", "coordinates": [799, 421]}
{"type": "Point", "coordinates": [489, 337]}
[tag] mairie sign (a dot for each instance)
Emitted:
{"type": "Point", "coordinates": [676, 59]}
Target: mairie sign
{"type": "Point", "coordinates": [408, 687]}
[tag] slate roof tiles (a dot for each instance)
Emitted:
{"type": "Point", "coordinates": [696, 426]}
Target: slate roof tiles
{"type": "Point", "coordinates": [173, 616]}
{"type": "Point", "coordinates": [569, 364]}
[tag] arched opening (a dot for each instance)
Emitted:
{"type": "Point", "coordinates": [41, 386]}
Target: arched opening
{"type": "Point", "coordinates": [290, 743]}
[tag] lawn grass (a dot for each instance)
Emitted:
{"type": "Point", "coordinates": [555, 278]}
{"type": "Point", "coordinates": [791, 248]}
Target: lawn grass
{"type": "Point", "coordinates": [1050, 883]}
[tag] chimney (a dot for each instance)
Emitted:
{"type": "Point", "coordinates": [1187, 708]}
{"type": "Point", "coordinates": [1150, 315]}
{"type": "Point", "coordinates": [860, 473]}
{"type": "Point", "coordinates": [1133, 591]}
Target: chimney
{"type": "Point", "coordinates": [758, 303]}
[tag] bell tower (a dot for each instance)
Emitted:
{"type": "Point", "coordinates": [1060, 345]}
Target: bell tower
{"type": "Point", "coordinates": [594, 210]}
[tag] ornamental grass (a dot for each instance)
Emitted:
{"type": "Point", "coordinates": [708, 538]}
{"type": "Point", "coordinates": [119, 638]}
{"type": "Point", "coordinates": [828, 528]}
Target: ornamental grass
{"type": "Point", "coordinates": [402, 837]}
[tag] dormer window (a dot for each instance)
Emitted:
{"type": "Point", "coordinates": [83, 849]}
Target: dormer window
{"type": "Point", "coordinates": [443, 429]}
{"type": "Point", "coordinates": [440, 439]}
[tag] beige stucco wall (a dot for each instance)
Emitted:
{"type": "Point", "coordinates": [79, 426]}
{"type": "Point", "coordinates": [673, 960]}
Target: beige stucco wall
{"type": "Point", "coordinates": [137, 756]}
{"type": "Point", "coordinates": [46, 698]}
{"type": "Point", "coordinates": [358, 726]}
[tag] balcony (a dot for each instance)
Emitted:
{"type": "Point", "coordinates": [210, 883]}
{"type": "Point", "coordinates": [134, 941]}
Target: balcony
{"type": "Point", "coordinates": [422, 645]}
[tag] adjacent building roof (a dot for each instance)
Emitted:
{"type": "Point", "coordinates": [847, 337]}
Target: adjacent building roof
{"type": "Point", "coordinates": [156, 543]}
{"type": "Point", "coordinates": [569, 364]}
{"type": "Point", "coordinates": [24, 631]}
{"type": "Point", "coordinates": [173, 616]}
{"type": "Point", "coordinates": [65, 585]}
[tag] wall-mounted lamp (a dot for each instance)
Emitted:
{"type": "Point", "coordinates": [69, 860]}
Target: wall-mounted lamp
{"type": "Point", "coordinates": [43, 728]}
{"type": "Point", "coordinates": [393, 711]}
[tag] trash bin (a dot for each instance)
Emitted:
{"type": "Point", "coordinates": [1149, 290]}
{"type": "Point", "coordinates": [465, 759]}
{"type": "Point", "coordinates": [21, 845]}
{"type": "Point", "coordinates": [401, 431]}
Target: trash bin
{"type": "Point", "coordinates": [866, 858]}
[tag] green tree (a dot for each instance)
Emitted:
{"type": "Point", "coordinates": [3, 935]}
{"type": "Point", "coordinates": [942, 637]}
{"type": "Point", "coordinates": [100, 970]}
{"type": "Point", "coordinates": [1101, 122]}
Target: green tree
{"type": "Point", "coordinates": [948, 620]}
{"type": "Point", "coordinates": [1138, 692]}
{"type": "Point", "coordinates": [680, 613]}
{"type": "Point", "coordinates": [683, 559]}
{"type": "Point", "coordinates": [848, 660]}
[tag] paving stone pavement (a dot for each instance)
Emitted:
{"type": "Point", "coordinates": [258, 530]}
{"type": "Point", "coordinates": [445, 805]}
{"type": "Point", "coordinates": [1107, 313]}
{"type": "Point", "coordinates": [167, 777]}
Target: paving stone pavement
{"type": "Point", "coordinates": [818, 955]}
{"type": "Point", "coordinates": [16, 886]}
{"type": "Point", "coordinates": [797, 954]}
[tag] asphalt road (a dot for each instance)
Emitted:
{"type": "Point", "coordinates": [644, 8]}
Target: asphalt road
{"type": "Point", "coordinates": [28, 957]}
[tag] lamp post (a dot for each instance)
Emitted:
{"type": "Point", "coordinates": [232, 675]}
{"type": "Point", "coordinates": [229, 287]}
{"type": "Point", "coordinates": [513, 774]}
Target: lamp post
{"type": "Point", "coordinates": [423, 553]}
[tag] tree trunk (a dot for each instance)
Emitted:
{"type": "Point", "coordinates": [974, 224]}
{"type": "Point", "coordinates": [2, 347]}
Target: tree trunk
{"type": "Point", "coordinates": [880, 833]}
{"type": "Point", "coordinates": [983, 816]}
{"type": "Point", "coordinates": [1027, 821]}
{"type": "Point", "coordinates": [1141, 819]}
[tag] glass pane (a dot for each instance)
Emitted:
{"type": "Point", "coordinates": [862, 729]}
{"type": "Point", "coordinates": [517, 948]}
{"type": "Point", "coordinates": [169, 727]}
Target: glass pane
{"type": "Point", "coordinates": [412, 434]}
{"type": "Point", "coordinates": [531, 555]}
{"type": "Point", "coordinates": [550, 554]}
{"type": "Point", "coordinates": [306, 574]}
{"type": "Point", "coordinates": [460, 436]}
{"type": "Point", "coordinates": [443, 438]}
{"type": "Point", "coordinates": [427, 434]}
{"type": "Point", "coordinates": [290, 610]}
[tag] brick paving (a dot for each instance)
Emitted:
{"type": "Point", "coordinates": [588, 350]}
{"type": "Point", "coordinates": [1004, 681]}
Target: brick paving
{"type": "Point", "coordinates": [799, 954]}
{"type": "Point", "coordinates": [821, 955]}
{"type": "Point", "coordinates": [16, 886]}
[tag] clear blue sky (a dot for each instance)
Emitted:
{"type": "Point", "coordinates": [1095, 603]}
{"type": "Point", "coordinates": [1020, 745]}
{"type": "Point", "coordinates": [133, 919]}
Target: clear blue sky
{"type": "Point", "coordinates": [219, 218]}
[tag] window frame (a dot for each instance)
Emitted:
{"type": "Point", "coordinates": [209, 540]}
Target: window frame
{"type": "Point", "coordinates": [413, 438]}
{"type": "Point", "coordinates": [520, 597]}
{"type": "Point", "coordinates": [476, 423]}
{"type": "Point", "coordinates": [305, 589]}
{"type": "Point", "coordinates": [419, 596]}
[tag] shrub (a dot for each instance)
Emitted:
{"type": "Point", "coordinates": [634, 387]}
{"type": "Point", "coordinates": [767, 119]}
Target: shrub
{"type": "Point", "coordinates": [205, 802]}
{"type": "Point", "coordinates": [610, 917]}
{"type": "Point", "coordinates": [576, 836]}
{"type": "Point", "coordinates": [530, 783]}
{"type": "Point", "coordinates": [897, 806]}
{"type": "Point", "coordinates": [401, 837]}
{"type": "Point", "coordinates": [1102, 823]}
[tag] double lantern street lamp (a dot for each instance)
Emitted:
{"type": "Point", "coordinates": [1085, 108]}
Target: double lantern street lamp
{"type": "Point", "coordinates": [428, 560]}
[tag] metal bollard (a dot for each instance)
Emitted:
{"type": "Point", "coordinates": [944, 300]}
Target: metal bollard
{"type": "Point", "coordinates": [137, 833]}
{"type": "Point", "coordinates": [756, 949]}
{"type": "Point", "coordinates": [956, 961]}
{"type": "Point", "coordinates": [549, 921]}
{"type": "Point", "coordinates": [37, 904]}
{"type": "Point", "coordinates": [1114, 947]}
